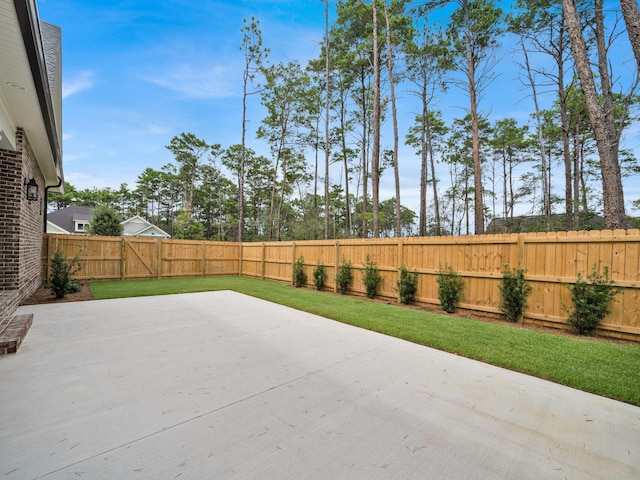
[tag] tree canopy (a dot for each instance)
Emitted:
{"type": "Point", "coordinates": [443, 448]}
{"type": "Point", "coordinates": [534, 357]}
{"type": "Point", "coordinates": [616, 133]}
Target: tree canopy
{"type": "Point", "coordinates": [327, 123]}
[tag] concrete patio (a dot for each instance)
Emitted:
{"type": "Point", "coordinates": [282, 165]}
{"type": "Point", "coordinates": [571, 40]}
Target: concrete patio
{"type": "Point", "coordinates": [219, 385]}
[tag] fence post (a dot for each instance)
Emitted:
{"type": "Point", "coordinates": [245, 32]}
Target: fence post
{"type": "Point", "coordinates": [400, 261]}
{"type": "Point", "coordinates": [52, 250]}
{"type": "Point", "coordinates": [262, 262]}
{"type": "Point", "coordinates": [159, 258]}
{"type": "Point", "coordinates": [50, 256]}
{"type": "Point", "coordinates": [293, 260]}
{"type": "Point", "coordinates": [45, 260]}
{"type": "Point", "coordinates": [337, 263]}
{"type": "Point", "coordinates": [521, 244]}
{"type": "Point", "coordinates": [123, 259]}
{"type": "Point", "coordinates": [204, 258]}
{"type": "Point", "coordinates": [240, 253]}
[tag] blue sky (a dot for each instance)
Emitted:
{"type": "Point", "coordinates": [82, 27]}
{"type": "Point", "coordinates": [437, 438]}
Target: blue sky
{"type": "Point", "coordinates": [136, 73]}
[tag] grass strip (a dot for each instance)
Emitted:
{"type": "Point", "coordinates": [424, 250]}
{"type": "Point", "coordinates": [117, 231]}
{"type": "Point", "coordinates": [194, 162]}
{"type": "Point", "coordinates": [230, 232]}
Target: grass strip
{"type": "Point", "coordinates": [607, 369]}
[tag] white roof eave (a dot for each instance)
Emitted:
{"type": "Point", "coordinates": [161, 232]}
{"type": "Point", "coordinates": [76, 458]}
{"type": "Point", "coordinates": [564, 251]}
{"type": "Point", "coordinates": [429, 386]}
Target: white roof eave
{"type": "Point", "coordinates": [19, 93]}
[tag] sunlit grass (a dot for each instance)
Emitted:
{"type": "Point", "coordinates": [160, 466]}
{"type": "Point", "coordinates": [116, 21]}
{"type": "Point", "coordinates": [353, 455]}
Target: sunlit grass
{"type": "Point", "coordinates": [608, 369]}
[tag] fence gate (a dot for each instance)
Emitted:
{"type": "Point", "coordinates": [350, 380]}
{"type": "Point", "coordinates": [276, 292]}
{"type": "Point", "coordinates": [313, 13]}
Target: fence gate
{"type": "Point", "coordinates": [141, 258]}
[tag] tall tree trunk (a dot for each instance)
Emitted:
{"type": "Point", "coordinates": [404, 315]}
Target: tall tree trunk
{"type": "Point", "coordinates": [546, 194]}
{"type": "Point", "coordinates": [365, 160]}
{"type": "Point", "coordinates": [477, 169]}
{"type": "Point", "coordinates": [434, 181]}
{"type": "Point", "coordinates": [241, 174]}
{"type": "Point", "coordinates": [394, 114]}
{"type": "Point", "coordinates": [422, 223]}
{"type": "Point", "coordinates": [601, 120]}
{"type": "Point", "coordinates": [453, 175]}
{"type": "Point", "coordinates": [467, 200]}
{"type": "Point", "coordinates": [505, 205]}
{"type": "Point", "coordinates": [576, 174]}
{"type": "Point", "coordinates": [564, 129]}
{"type": "Point", "coordinates": [583, 184]}
{"type": "Point", "coordinates": [512, 201]}
{"type": "Point", "coordinates": [273, 196]}
{"type": "Point", "coordinates": [375, 151]}
{"type": "Point", "coordinates": [475, 135]}
{"type": "Point", "coordinates": [632, 20]}
{"type": "Point", "coordinates": [315, 174]}
{"type": "Point", "coordinates": [566, 154]}
{"type": "Point", "coordinates": [345, 160]}
{"type": "Point", "coordinates": [326, 120]}
{"type": "Point", "coordinates": [279, 155]}
{"type": "Point", "coordinates": [281, 199]}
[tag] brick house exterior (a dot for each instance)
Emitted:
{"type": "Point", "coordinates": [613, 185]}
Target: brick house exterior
{"type": "Point", "coordinates": [30, 148]}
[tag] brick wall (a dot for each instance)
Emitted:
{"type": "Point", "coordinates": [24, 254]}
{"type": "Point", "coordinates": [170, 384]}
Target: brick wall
{"type": "Point", "coordinates": [31, 223]}
{"type": "Point", "coordinates": [10, 191]}
{"type": "Point", "coordinates": [21, 221]}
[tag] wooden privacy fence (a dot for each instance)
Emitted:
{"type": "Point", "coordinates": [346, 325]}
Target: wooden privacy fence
{"type": "Point", "coordinates": [550, 260]}
{"type": "Point", "coordinates": [134, 258]}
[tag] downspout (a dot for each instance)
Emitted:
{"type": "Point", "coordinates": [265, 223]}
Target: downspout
{"type": "Point", "coordinates": [46, 201]}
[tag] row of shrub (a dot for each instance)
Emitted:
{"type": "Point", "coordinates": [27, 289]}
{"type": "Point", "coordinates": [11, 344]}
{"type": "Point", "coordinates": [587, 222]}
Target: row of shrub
{"type": "Point", "coordinates": [591, 297]}
{"type": "Point", "coordinates": [407, 283]}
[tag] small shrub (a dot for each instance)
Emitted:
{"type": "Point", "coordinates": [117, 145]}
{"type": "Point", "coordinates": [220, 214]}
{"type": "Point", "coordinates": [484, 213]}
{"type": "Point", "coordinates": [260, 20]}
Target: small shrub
{"type": "Point", "coordinates": [319, 276]}
{"type": "Point", "coordinates": [514, 290]}
{"type": "Point", "coordinates": [407, 285]}
{"type": "Point", "coordinates": [299, 276]}
{"type": "Point", "coordinates": [62, 271]}
{"type": "Point", "coordinates": [450, 285]}
{"type": "Point", "coordinates": [73, 285]}
{"type": "Point", "coordinates": [591, 300]}
{"type": "Point", "coordinates": [344, 276]}
{"type": "Point", "coordinates": [371, 277]}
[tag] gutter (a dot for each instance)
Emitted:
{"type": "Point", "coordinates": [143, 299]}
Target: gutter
{"type": "Point", "coordinates": [45, 199]}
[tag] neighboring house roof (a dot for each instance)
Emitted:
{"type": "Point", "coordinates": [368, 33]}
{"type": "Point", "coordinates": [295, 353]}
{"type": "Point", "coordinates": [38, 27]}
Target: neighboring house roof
{"type": "Point", "coordinates": [31, 85]}
{"type": "Point", "coordinates": [67, 218]}
{"type": "Point", "coordinates": [139, 227]}
{"type": "Point", "coordinates": [53, 228]}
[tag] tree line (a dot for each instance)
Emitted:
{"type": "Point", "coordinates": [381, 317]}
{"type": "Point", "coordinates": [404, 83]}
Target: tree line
{"type": "Point", "coordinates": [332, 114]}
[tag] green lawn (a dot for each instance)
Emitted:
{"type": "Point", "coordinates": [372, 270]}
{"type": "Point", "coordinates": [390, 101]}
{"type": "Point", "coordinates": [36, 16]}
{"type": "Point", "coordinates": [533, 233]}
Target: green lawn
{"type": "Point", "coordinates": [607, 369]}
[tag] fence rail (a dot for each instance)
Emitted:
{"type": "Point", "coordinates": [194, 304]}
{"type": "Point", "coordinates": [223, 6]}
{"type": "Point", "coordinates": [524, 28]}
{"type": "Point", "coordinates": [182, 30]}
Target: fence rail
{"type": "Point", "coordinates": [551, 260]}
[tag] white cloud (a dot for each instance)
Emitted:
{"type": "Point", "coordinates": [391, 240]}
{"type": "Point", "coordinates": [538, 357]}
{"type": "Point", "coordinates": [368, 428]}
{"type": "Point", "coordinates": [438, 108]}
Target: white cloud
{"type": "Point", "coordinates": [68, 158]}
{"type": "Point", "coordinates": [196, 82]}
{"type": "Point", "coordinates": [156, 129]}
{"type": "Point", "coordinates": [82, 81]}
{"type": "Point", "coordinates": [81, 180]}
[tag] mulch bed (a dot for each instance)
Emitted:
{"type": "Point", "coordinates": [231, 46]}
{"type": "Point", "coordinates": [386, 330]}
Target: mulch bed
{"type": "Point", "coordinates": [44, 295]}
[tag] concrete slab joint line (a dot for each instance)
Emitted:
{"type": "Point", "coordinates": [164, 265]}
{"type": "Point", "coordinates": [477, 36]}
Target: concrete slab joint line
{"type": "Point", "coordinates": [221, 385]}
{"type": "Point", "coordinates": [197, 417]}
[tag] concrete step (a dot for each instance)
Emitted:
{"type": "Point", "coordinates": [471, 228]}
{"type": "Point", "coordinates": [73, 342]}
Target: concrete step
{"type": "Point", "coordinates": [12, 333]}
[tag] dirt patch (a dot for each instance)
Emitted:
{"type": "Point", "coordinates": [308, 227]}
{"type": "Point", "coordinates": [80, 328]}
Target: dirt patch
{"type": "Point", "coordinates": [44, 295]}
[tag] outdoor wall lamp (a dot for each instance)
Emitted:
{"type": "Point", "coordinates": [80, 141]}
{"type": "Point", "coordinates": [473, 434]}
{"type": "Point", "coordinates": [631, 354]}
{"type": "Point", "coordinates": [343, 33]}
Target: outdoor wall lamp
{"type": "Point", "coordinates": [32, 190]}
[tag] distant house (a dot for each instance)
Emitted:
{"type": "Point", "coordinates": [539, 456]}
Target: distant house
{"type": "Point", "coordinates": [76, 220]}
{"type": "Point", "coordinates": [139, 227]}
{"type": "Point", "coordinates": [30, 153]}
